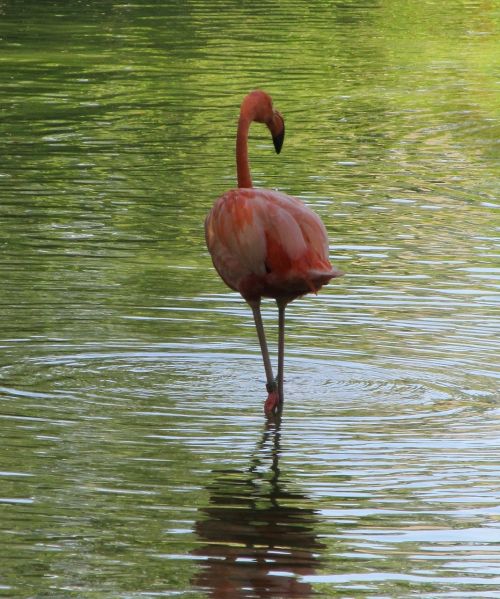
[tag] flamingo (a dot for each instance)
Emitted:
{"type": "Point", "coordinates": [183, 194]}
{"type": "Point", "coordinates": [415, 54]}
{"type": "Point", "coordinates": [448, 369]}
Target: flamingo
{"type": "Point", "coordinates": [264, 243]}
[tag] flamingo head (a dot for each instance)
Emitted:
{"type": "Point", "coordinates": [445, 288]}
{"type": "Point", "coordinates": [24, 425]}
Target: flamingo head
{"type": "Point", "coordinates": [258, 106]}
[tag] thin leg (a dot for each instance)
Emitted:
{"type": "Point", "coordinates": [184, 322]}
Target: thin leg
{"type": "Point", "coordinates": [281, 350]}
{"type": "Point", "coordinates": [263, 344]}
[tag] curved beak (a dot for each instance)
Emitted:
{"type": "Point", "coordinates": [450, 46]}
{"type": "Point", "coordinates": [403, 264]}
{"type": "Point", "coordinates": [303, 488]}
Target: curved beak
{"type": "Point", "coordinates": [277, 129]}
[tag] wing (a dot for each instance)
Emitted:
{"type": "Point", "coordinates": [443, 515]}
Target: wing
{"type": "Point", "coordinates": [235, 237]}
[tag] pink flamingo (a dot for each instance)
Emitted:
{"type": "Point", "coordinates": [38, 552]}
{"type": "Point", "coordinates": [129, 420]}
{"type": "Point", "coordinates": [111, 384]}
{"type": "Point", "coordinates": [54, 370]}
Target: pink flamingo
{"type": "Point", "coordinates": [264, 243]}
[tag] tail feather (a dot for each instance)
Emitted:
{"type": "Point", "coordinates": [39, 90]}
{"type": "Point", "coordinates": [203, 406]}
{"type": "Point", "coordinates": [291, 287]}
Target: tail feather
{"type": "Point", "coordinates": [316, 278]}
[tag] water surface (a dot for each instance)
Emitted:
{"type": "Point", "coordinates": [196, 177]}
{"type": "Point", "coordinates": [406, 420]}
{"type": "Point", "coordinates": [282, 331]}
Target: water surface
{"type": "Point", "coordinates": [135, 459]}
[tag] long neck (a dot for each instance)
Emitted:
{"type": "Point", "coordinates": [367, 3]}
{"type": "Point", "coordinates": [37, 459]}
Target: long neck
{"type": "Point", "coordinates": [242, 166]}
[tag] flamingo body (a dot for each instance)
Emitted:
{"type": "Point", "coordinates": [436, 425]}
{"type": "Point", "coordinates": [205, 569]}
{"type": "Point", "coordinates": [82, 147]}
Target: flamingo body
{"type": "Point", "coordinates": [267, 244]}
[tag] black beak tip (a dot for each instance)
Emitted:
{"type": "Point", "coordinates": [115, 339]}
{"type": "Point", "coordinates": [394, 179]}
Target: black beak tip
{"type": "Point", "coordinates": [278, 141]}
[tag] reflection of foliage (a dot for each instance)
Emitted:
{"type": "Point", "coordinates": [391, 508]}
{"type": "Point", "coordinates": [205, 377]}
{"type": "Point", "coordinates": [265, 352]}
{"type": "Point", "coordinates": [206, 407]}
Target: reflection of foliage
{"type": "Point", "coordinates": [120, 134]}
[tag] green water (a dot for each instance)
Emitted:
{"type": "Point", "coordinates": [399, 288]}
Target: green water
{"type": "Point", "coordinates": [135, 459]}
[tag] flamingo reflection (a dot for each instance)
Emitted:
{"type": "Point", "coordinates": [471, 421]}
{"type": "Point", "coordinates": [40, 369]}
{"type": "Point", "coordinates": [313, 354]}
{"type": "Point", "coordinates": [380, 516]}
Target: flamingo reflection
{"type": "Point", "coordinates": [258, 538]}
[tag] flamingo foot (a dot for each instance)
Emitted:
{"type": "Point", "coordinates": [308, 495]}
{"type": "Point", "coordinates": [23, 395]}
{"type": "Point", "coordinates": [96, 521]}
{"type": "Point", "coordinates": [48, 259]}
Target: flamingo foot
{"type": "Point", "coordinates": [272, 403]}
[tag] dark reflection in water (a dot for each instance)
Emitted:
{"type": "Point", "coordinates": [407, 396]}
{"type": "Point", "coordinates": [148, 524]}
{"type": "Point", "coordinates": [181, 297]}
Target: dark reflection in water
{"type": "Point", "coordinates": [259, 539]}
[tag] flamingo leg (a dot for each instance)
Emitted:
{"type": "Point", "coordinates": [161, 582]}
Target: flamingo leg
{"type": "Point", "coordinates": [281, 350]}
{"type": "Point", "coordinates": [271, 384]}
